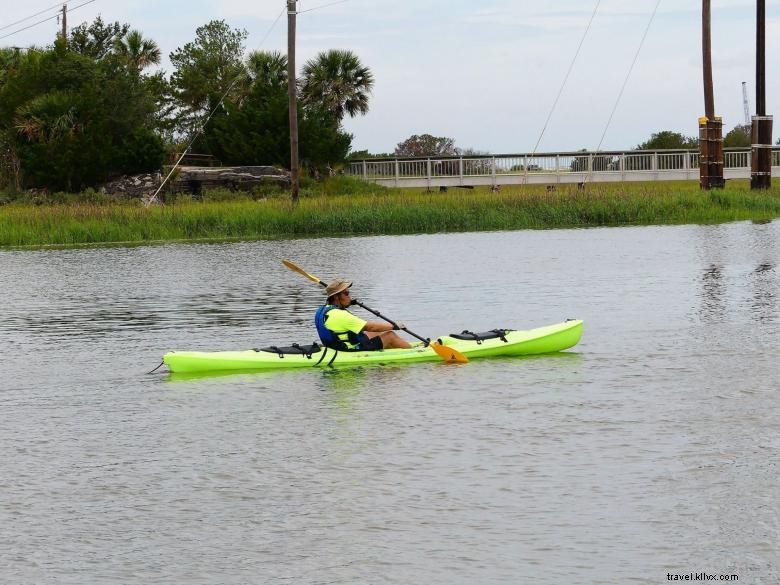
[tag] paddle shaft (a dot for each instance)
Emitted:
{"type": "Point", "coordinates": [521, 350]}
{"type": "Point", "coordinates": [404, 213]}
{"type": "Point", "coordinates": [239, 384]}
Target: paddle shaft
{"type": "Point", "coordinates": [393, 323]}
{"type": "Point", "coordinates": [448, 354]}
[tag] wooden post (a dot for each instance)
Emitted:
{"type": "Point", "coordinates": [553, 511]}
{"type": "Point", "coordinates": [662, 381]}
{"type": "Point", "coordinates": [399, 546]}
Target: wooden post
{"type": "Point", "coordinates": [704, 154]}
{"type": "Point", "coordinates": [761, 57]}
{"type": "Point", "coordinates": [710, 126]}
{"type": "Point", "coordinates": [64, 23]}
{"type": "Point", "coordinates": [716, 153]}
{"type": "Point", "coordinates": [706, 46]}
{"type": "Point", "coordinates": [761, 128]}
{"type": "Point", "coordinates": [292, 94]}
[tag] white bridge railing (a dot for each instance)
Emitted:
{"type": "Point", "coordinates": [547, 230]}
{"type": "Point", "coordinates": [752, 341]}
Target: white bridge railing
{"type": "Point", "coordinates": [548, 168]}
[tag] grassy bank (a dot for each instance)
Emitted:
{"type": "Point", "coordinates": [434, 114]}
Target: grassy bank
{"type": "Point", "coordinates": [371, 210]}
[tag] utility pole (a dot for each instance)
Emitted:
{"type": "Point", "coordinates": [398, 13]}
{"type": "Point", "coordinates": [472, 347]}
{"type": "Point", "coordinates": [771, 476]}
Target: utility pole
{"type": "Point", "coordinates": [761, 131]}
{"type": "Point", "coordinates": [710, 126]}
{"type": "Point", "coordinates": [292, 93]}
{"type": "Point", "coordinates": [64, 22]}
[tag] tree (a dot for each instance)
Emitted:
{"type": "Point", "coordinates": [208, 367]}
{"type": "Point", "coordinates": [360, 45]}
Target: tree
{"type": "Point", "coordinates": [267, 68]}
{"type": "Point", "coordinates": [337, 81]}
{"type": "Point", "coordinates": [97, 39]}
{"type": "Point", "coordinates": [9, 62]}
{"type": "Point", "coordinates": [426, 145]}
{"type": "Point", "coordinates": [255, 130]}
{"type": "Point", "coordinates": [138, 52]}
{"type": "Point", "coordinates": [364, 154]}
{"type": "Point", "coordinates": [207, 68]}
{"type": "Point", "coordinates": [472, 152]}
{"type": "Point", "coordinates": [72, 121]}
{"type": "Point", "coordinates": [668, 140]}
{"type": "Point", "coordinates": [739, 136]}
{"type": "Point", "coordinates": [48, 117]}
{"type": "Point", "coordinates": [596, 162]}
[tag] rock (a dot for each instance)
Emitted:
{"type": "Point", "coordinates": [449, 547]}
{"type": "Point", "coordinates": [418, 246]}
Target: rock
{"type": "Point", "coordinates": [137, 186]}
{"type": "Point", "coordinates": [195, 179]}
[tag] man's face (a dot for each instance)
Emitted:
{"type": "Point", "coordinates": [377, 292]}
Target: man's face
{"type": "Point", "coordinates": [345, 298]}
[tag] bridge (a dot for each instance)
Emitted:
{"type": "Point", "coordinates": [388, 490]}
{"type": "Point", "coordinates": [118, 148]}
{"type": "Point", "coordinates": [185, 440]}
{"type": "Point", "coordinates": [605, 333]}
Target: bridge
{"type": "Point", "coordinates": [548, 168]}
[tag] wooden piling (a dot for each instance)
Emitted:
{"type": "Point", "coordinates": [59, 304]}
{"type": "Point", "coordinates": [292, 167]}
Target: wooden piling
{"type": "Point", "coordinates": [761, 159]}
{"type": "Point", "coordinates": [761, 153]}
{"type": "Point", "coordinates": [711, 153]}
{"type": "Point", "coordinates": [710, 125]}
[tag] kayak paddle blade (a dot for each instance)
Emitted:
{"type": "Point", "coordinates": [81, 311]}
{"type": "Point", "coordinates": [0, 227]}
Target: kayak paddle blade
{"type": "Point", "coordinates": [449, 354]}
{"type": "Point", "coordinates": [294, 267]}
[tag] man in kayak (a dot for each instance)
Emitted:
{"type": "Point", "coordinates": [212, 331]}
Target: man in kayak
{"type": "Point", "coordinates": [340, 329]}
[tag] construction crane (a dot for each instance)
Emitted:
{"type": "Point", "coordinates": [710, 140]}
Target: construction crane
{"type": "Point", "coordinates": [745, 103]}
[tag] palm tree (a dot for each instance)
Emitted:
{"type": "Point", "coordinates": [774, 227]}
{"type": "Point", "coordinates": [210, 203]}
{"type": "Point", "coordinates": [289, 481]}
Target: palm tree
{"type": "Point", "coordinates": [47, 117]}
{"type": "Point", "coordinates": [139, 52]}
{"type": "Point", "coordinates": [268, 68]}
{"type": "Point", "coordinates": [339, 82]}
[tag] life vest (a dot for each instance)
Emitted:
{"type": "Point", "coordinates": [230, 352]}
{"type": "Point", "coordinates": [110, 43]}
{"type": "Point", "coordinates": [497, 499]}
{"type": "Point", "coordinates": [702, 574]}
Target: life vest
{"type": "Point", "coordinates": [329, 338]}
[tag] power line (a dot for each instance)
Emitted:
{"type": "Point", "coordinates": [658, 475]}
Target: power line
{"type": "Point", "coordinates": [58, 5]}
{"type": "Point", "coordinates": [30, 26]}
{"type": "Point", "coordinates": [46, 19]}
{"type": "Point", "coordinates": [628, 75]}
{"type": "Point", "coordinates": [566, 77]}
{"type": "Point", "coordinates": [270, 30]}
{"type": "Point", "coordinates": [323, 6]}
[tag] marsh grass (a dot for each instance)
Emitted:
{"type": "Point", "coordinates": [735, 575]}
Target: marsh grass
{"type": "Point", "coordinates": [350, 209]}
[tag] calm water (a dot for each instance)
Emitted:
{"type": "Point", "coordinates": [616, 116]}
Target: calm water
{"type": "Point", "coordinates": [650, 449]}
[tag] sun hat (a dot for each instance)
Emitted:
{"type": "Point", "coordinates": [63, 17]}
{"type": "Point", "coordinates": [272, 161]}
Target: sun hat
{"type": "Point", "coordinates": [336, 287]}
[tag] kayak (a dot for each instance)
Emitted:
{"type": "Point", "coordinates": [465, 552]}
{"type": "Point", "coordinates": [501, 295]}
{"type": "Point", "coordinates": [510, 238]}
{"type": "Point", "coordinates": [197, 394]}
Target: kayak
{"type": "Point", "coordinates": [494, 343]}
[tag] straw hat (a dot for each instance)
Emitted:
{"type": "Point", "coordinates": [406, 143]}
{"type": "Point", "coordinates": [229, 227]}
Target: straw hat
{"type": "Point", "coordinates": [336, 287]}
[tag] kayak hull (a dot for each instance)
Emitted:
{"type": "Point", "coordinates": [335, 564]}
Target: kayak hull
{"type": "Point", "coordinates": [549, 339]}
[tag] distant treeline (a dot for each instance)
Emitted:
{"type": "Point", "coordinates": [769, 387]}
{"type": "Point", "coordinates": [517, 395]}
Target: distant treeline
{"type": "Point", "coordinates": [86, 110]}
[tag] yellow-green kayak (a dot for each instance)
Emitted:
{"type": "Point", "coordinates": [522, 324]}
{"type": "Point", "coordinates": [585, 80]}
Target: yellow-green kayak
{"type": "Point", "coordinates": [498, 342]}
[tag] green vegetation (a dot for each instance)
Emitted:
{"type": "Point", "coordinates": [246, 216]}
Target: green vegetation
{"type": "Point", "coordinates": [668, 140]}
{"type": "Point", "coordinates": [337, 82]}
{"type": "Point", "coordinates": [426, 145]}
{"type": "Point", "coordinates": [69, 120]}
{"type": "Point", "coordinates": [343, 206]}
{"type": "Point", "coordinates": [738, 137]}
{"type": "Point", "coordinates": [84, 111]}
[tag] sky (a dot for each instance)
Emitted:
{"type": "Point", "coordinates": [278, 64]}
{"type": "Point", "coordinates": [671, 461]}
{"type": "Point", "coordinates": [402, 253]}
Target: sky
{"type": "Point", "coordinates": [487, 73]}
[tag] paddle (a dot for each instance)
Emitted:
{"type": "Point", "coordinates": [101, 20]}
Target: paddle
{"type": "Point", "coordinates": [446, 353]}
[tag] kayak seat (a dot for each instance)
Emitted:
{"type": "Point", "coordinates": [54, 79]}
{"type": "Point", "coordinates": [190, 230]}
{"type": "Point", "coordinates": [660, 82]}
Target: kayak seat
{"type": "Point", "coordinates": [294, 349]}
{"type": "Point", "coordinates": [480, 337]}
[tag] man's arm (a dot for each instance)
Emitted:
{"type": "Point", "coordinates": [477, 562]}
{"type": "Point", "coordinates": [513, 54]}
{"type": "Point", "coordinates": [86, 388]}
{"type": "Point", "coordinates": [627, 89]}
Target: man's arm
{"type": "Point", "coordinates": [379, 326]}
